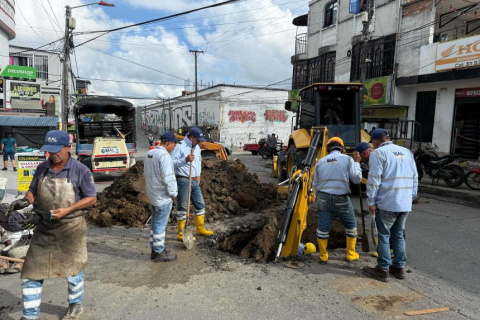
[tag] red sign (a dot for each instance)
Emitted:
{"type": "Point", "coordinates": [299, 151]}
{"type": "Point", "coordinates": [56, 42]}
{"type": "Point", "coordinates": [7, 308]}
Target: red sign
{"type": "Point", "coordinates": [377, 91]}
{"type": "Point", "coordinates": [468, 93]}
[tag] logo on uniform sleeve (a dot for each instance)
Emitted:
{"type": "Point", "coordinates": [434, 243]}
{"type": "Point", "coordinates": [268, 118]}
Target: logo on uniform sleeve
{"type": "Point", "coordinates": [150, 156]}
{"type": "Point", "coordinates": [398, 154]}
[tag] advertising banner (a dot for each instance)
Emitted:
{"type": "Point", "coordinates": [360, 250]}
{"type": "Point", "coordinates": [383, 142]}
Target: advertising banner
{"type": "Point", "coordinates": [376, 91]}
{"type": "Point", "coordinates": [25, 96]}
{"type": "Point", "coordinates": [51, 104]}
{"type": "Point", "coordinates": [27, 164]}
{"type": "Point", "coordinates": [20, 73]}
{"type": "Point", "coordinates": [457, 54]}
{"type": "Point", "coordinates": [467, 93]}
{"type": "Point", "coordinates": [384, 113]}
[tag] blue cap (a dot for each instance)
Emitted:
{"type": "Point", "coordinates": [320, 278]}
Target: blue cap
{"type": "Point", "coordinates": [55, 140]}
{"type": "Point", "coordinates": [169, 137]}
{"type": "Point", "coordinates": [362, 146]}
{"type": "Point", "coordinates": [378, 134]}
{"type": "Point", "coordinates": [197, 133]}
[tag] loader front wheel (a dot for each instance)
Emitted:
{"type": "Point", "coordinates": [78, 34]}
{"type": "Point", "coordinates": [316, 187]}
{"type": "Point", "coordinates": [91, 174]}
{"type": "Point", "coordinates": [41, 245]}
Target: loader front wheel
{"type": "Point", "coordinates": [295, 158]}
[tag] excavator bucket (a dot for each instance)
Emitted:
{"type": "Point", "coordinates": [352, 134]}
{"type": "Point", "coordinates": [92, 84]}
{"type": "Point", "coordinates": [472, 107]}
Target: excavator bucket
{"type": "Point", "coordinates": [210, 149]}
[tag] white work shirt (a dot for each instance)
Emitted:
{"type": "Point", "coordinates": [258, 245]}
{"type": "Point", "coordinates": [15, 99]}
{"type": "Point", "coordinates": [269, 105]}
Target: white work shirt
{"type": "Point", "coordinates": [159, 174]}
{"type": "Point", "coordinates": [181, 151]}
{"type": "Point", "coordinates": [333, 172]}
{"type": "Point", "coordinates": [392, 178]}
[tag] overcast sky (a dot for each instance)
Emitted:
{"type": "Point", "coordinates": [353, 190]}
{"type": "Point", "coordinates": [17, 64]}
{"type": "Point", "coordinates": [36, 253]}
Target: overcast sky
{"type": "Point", "coordinates": [249, 42]}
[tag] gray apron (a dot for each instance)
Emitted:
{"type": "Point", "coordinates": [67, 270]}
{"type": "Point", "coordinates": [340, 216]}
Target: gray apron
{"type": "Point", "coordinates": [59, 247]}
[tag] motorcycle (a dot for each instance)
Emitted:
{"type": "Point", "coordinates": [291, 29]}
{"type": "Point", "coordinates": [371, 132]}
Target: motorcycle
{"type": "Point", "coordinates": [439, 167]}
{"type": "Point", "coordinates": [472, 178]}
{"type": "Point", "coordinates": [266, 152]}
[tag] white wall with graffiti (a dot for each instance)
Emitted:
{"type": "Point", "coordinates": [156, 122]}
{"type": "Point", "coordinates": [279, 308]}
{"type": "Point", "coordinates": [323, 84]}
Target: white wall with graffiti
{"type": "Point", "coordinates": [241, 114]}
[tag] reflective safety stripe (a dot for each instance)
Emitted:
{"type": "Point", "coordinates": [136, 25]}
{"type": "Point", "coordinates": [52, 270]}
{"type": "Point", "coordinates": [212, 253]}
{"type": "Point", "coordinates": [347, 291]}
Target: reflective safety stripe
{"type": "Point", "coordinates": [76, 295]}
{"type": "Point", "coordinates": [78, 286]}
{"type": "Point", "coordinates": [31, 304]}
{"type": "Point", "coordinates": [31, 291]}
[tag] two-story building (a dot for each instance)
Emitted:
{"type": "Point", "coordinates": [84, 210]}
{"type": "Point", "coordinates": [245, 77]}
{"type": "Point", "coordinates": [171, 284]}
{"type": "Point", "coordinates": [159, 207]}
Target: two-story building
{"type": "Point", "coordinates": [418, 59]}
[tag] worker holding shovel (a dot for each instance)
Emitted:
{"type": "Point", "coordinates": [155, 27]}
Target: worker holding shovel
{"type": "Point", "coordinates": [161, 187]}
{"type": "Point", "coordinates": [181, 157]}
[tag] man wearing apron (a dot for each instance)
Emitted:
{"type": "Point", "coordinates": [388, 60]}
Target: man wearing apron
{"type": "Point", "coordinates": [61, 188]}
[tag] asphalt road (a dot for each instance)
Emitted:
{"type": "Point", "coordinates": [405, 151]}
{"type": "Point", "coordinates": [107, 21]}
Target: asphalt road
{"type": "Point", "coordinates": [442, 237]}
{"type": "Point", "coordinates": [442, 243]}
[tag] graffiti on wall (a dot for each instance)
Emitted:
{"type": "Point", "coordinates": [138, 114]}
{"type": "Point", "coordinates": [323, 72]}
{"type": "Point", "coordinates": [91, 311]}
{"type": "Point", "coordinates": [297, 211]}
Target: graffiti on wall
{"type": "Point", "coordinates": [206, 118]}
{"type": "Point", "coordinates": [276, 115]}
{"type": "Point", "coordinates": [163, 119]}
{"type": "Point", "coordinates": [241, 116]}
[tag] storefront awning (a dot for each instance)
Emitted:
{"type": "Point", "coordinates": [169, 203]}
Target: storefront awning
{"type": "Point", "coordinates": [18, 121]}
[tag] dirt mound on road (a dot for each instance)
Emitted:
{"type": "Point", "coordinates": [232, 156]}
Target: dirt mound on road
{"type": "Point", "coordinates": [227, 187]}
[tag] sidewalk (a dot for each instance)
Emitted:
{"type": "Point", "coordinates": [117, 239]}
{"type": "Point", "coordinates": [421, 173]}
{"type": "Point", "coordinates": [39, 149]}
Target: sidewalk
{"type": "Point", "coordinates": [461, 194]}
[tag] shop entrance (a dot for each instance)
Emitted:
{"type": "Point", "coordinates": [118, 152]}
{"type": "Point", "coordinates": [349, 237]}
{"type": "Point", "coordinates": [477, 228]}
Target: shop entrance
{"type": "Point", "coordinates": [425, 115]}
{"type": "Point", "coordinates": [466, 137]}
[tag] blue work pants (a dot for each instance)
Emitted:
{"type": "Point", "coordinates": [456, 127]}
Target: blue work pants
{"type": "Point", "coordinates": [158, 224]}
{"type": "Point", "coordinates": [390, 227]}
{"type": "Point", "coordinates": [196, 199]}
{"type": "Point", "coordinates": [340, 206]}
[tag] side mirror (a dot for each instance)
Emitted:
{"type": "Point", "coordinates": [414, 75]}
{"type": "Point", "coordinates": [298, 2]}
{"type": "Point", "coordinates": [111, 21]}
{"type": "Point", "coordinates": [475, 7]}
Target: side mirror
{"type": "Point", "coordinates": [288, 105]}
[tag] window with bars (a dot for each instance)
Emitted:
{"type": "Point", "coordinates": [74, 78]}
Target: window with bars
{"type": "Point", "coordinates": [318, 69]}
{"type": "Point", "coordinates": [380, 52]}
{"type": "Point", "coordinates": [331, 13]}
{"type": "Point", "coordinates": [39, 61]}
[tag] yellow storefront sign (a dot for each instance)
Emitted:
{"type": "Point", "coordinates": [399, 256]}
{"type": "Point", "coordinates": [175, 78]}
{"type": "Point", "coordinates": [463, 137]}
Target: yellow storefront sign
{"type": "Point", "coordinates": [27, 165]}
{"type": "Point", "coordinates": [385, 113]}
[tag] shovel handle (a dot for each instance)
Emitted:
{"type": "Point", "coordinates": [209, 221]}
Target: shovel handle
{"type": "Point", "coordinates": [12, 259]}
{"type": "Point", "coordinates": [189, 189]}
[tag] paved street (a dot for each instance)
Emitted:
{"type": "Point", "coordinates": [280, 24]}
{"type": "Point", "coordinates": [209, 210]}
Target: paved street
{"type": "Point", "coordinates": [121, 282]}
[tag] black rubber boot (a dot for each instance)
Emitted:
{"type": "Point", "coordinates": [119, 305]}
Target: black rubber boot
{"type": "Point", "coordinates": [164, 256]}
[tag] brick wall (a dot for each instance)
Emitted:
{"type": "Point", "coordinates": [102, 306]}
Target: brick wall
{"type": "Point", "coordinates": [412, 7]}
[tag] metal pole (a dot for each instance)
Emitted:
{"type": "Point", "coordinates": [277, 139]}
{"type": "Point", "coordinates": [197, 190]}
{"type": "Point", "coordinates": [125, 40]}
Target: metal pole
{"type": "Point", "coordinates": [196, 53]}
{"type": "Point", "coordinates": [66, 55]}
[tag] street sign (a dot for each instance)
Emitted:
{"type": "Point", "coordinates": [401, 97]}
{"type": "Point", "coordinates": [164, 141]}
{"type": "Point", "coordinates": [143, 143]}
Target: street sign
{"type": "Point", "coordinates": [27, 165]}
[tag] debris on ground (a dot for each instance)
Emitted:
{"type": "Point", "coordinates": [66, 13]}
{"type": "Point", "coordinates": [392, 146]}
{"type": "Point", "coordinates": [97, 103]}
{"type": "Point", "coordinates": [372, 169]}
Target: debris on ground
{"type": "Point", "coordinates": [227, 187]}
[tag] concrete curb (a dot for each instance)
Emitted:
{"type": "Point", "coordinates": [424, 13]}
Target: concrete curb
{"type": "Point", "coordinates": [452, 194]}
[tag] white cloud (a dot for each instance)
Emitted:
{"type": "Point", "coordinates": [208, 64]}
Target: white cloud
{"type": "Point", "coordinates": [250, 42]}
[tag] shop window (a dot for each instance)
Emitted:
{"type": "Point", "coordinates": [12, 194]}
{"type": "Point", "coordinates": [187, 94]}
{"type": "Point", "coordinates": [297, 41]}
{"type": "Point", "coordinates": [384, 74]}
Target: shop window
{"type": "Point", "coordinates": [39, 61]}
{"type": "Point", "coordinates": [331, 12]}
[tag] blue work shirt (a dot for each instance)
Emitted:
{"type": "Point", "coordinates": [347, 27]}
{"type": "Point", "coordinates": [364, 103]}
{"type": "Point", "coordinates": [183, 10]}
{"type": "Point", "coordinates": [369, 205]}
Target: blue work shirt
{"type": "Point", "coordinates": [159, 174]}
{"type": "Point", "coordinates": [8, 144]}
{"type": "Point", "coordinates": [181, 151]}
{"type": "Point", "coordinates": [392, 178]}
{"type": "Point", "coordinates": [333, 172]}
{"type": "Point", "coordinates": [80, 176]}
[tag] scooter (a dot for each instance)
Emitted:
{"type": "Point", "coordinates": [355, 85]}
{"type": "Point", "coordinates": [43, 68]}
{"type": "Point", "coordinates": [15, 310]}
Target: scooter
{"type": "Point", "coordinates": [472, 178]}
{"type": "Point", "coordinates": [439, 167]}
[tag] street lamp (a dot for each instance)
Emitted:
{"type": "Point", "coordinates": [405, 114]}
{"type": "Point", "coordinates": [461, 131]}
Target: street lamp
{"type": "Point", "coordinates": [70, 25]}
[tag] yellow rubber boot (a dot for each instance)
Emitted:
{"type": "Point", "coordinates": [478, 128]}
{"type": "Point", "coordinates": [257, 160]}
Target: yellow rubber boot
{"type": "Point", "coordinates": [180, 227]}
{"type": "Point", "coordinates": [322, 248]}
{"type": "Point", "coordinates": [200, 224]}
{"type": "Point", "coordinates": [351, 254]}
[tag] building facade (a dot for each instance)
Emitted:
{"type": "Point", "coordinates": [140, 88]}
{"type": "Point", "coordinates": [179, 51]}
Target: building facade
{"type": "Point", "coordinates": [239, 114]}
{"type": "Point", "coordinates": [418, 59]}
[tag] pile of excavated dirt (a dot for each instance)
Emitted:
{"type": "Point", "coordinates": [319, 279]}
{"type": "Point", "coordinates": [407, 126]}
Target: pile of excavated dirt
{"type": "Point", "coordinates": [227, 187]}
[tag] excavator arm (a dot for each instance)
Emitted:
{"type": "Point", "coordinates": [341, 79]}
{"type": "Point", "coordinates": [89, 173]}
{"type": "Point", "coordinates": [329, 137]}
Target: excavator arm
{"type": "Point", "coordinates": [300, 196]}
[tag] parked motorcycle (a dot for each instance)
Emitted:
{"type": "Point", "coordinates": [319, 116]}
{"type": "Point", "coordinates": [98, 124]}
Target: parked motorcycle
{"type": "Point", "coordinates": [266, 152]}
{"type": "Point", "coordinates": [439, 167]}
{"type": "Point", "coordinates": [472, 178]}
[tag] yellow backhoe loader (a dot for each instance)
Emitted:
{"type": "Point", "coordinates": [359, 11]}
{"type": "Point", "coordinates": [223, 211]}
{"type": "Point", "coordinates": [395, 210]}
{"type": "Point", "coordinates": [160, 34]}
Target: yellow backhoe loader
{"type": "Point", "coordinates": [325, 110]}
{"type": "Point", "coordinates": [209, 148]}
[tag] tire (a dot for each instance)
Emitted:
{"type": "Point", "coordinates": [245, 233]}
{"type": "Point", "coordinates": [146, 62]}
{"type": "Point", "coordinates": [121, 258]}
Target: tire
{"type": "Point", "coordinates": [264, 152]}
{"type": "Point", "coordinates": [281, 171]}
{"type": "Point", "coordinates": [295, 158]}
{"type": "Point", "coordinates": [419, 170]}
{"type": "Point", "coordinates": [472, 180]}
{"type": "Point", "coordinates": [254, 153]}
{"type": "Point", "coordinates": [87, 161]}
{"type": "Point", "coordinates": [458, 176]}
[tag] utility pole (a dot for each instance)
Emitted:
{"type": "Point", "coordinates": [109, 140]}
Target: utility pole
{"type": "Point", "coordinates": [66, 56]}
{"type": "Point", "coordinates": [196, 53]}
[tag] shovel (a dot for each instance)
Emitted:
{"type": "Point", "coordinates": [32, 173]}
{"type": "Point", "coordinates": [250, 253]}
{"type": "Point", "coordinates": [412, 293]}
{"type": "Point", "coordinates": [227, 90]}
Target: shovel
{"type": "Point", "coordinates": [187, 232]}
{"type": "Point", "coordinates": [365, 245]}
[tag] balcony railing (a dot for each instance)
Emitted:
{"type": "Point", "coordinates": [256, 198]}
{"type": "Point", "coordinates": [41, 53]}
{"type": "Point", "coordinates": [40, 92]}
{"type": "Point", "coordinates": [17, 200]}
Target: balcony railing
{"type": "Point", "coordinates": [301, 44]}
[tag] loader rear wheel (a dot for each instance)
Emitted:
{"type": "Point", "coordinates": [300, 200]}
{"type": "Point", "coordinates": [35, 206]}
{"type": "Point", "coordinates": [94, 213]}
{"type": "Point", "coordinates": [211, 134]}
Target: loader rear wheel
{"type": "Point", "coordinates": [295, 158]}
